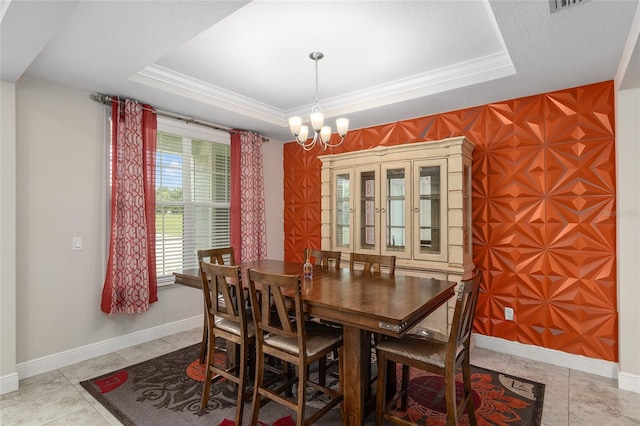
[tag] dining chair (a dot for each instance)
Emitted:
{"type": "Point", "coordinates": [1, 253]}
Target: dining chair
{"type": "Point", "coordinates": [217, 256]}
{"type": "Point", "coordinates": [287, 339]}
{"type": "Point", "coordinates": [226, 320]}
{"type": "Point", "coordinates": [323, 258]}
{"type": "Point", "coordinates": [436, 356]}
{"type": "Point", "coordinates": [373, 262]}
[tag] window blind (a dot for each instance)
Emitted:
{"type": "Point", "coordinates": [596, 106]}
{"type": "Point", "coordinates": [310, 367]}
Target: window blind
{"type": "Point", "coordinates": [192, 200]}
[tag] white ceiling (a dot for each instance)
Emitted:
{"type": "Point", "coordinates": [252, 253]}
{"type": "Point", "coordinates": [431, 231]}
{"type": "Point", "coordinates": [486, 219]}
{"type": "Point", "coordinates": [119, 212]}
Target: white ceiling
{"type": "Point", "coordinates": [245, 64]}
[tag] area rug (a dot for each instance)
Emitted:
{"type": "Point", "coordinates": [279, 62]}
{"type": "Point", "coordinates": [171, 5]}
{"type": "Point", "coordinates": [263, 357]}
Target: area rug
{"type": "Point", "coordinates": [166, 391]}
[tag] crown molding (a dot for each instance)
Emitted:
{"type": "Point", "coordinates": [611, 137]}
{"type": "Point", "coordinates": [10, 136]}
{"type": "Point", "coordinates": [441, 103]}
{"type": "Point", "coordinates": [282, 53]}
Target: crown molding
{"type": "Point", "coordinates": [165, 79]}
{"type": "Point", "coordinates": [463, 74]}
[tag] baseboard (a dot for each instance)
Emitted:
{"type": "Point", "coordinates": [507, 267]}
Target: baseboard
{"type": "Point", "coordinates": [83, 353]}
{"type": "Point", "coordinates": [8, 383]}
{"type": "Point", "coordinates": [629, 382]}
{"type": "Point", "coordinates": [550, 356]}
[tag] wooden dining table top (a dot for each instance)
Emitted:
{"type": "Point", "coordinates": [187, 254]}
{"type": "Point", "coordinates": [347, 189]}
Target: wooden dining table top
{"type": "Point", "coordinates": [378, 302]}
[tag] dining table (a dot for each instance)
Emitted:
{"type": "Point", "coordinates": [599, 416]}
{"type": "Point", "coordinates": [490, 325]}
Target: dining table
{"type": "Point", "coordinates": [362, 302]}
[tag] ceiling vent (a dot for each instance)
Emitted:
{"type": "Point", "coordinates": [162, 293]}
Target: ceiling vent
{"type": "Point", "coordinates": [558, 5]}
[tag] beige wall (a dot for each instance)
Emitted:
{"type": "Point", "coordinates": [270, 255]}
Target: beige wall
{"type": "Point", "coordinates": [628, 209]}
{"type": "Point", "coordinates": [628, 215]}
{"type": "Point", "coordinates": [7, 238]}
{"type": "Point", "coordinates": [61, 195]}
{"type": "Point", "coordinates": [274, 199]}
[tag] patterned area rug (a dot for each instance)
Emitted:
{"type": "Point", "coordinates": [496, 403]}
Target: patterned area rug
{"type": "Point", "coordinates": [166, 391]}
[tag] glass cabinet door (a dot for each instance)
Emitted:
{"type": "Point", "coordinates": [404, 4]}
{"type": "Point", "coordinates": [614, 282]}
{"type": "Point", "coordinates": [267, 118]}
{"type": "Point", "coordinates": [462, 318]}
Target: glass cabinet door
{"type": "Point", "coordinates": [395, 216]}
{"type": "Point", "coordinates": [466, 210]}
{"type": "Point", "coordinates": [368, 210]}
{"type": "Point", "coordinates": [343, 210]}
{"type": "Point", "coordinates": [430, 229]}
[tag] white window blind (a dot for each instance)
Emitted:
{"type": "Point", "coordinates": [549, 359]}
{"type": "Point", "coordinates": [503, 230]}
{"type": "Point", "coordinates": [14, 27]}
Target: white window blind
{"type": "Point", "coordinates": [192, 195]}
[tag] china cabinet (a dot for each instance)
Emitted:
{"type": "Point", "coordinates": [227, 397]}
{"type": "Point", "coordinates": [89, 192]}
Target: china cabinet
{"type": "Point", "coordinates": [412, 201]}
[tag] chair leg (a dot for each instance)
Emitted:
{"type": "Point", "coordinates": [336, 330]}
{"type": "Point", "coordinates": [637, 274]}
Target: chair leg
{"type": "Point", "coordinates": [289, 374]}
{"type": "Point", "coordinates": [302, 392]}
{"type": "Point", "coordinates": [242, 385]}
{"type": "Point", "coordinates": [210, 357]}
{"type": "Point", "coordinates": [322, 371]}
{"type": "Point", "coordinates": [205, 337]}
{"type": "Point", "coordinates": [341, 378]}
{"type": "Point", "coordinates": [471, 409]}
{"type": "Point", "coordinates": [370, 378]}
{"type": "Point", "coordinates": [251, 361]}
{"type": "Point", "coordinates": [450, 398]}
{"type": "Point", "coordinates": [381, 398]}
{"type": "Point", "coordinates": [404, 387]}
{"type": "Point", "coordinates": [259, 373]}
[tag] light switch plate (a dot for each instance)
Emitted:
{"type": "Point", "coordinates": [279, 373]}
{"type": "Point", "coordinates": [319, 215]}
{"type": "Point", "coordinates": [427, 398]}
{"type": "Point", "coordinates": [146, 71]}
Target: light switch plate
{"type": "Point", "coordinates": [76, 243]}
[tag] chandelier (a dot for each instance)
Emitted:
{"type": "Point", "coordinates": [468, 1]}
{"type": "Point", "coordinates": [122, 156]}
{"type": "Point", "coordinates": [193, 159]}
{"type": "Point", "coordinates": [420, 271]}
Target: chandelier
{"type": "Point", "coordinates": [322, 134]}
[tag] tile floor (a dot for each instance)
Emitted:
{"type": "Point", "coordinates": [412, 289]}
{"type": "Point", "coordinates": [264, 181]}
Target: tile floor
{"type": "Point", "coordinates": [56, 398]}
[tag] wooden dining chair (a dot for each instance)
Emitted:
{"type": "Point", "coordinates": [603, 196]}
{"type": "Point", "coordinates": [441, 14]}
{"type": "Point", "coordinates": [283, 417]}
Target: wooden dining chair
{"type": "Point", "coordinates": [217, 256]}
{"type": "Point", "coordinates": [373, 262]}
{"type": "Point", "coordinates": [227, 320]}
{"type": "Point", "coordinates": [440, 357]}
{"type": "Point", "coordinates": [287, 339]}
{"type": "Point", "coordinates": [323, 258]}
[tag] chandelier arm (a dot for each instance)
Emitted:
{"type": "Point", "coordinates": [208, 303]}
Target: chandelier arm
{"type": "Point", "coordinates": [332, 145]}
{"type": "Point", "coordinates": [306, 144]}
{"type": "Point", "coordinates": [307, 147]}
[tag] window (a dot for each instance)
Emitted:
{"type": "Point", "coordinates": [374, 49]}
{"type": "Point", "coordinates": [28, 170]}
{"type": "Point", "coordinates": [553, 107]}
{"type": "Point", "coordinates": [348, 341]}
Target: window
{"type": "Point", "coordinates": [193, 183]}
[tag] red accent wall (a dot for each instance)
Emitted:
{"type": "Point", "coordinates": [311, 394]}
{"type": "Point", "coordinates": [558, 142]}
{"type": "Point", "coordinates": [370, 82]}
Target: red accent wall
{"type": "Point", "coordinates": [544, 200]}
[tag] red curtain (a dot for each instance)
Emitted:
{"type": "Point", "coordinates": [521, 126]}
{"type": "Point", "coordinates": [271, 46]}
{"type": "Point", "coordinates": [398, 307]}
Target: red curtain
{"type": "Point", "coordinates": [131, 285]}
{"type": "Point", "coordinates": [248, 223]}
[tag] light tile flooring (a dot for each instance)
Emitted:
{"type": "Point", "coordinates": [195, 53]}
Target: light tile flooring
{"type": "Point", "coordinates": [55, 398]}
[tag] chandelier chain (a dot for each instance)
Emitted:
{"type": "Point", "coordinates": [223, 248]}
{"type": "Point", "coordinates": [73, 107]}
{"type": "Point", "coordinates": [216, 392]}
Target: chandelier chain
{"type": "Point", "coordinates": [316, 107]}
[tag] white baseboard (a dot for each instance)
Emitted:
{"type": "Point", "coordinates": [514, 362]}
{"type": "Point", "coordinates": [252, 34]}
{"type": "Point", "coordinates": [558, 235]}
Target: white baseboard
{"type": "Point", "coordinates": [8, 383]}
{"type": "Point", "coordinates": [83, 353]}
{"type": "Point", "coordinates": [550, 356]}
{"type": "Point", "coordinates": [629, 382]}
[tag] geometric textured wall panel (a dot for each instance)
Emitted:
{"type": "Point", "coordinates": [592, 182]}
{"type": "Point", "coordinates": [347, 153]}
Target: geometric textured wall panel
{"type": "Point", "coordinates": [544, 202]}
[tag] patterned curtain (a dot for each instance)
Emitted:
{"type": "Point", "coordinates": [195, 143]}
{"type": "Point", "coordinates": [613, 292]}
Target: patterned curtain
{"type": "Point", "coordinates": [248, 223]}
{"type": "Point", "coordinates": [131, 285]}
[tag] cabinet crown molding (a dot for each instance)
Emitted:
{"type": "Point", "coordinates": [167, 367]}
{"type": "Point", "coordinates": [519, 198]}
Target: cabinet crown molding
{"type": "Point", "coordinates": [439, 148]}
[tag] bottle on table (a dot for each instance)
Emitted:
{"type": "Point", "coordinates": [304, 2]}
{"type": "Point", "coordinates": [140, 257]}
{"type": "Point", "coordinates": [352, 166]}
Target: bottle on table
{"type": "Point", "coordinates": [307, 269]}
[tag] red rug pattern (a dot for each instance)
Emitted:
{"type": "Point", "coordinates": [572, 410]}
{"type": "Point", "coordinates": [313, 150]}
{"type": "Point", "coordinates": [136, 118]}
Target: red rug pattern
{"type": "Point", "coordinates": [168, 389]}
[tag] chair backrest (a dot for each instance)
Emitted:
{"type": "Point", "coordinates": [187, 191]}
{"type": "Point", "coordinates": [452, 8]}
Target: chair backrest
{"type": "Point", "coordinates": [463, 315]}
{"type": "Point", "coordinates": [226, 283]}
{"type": "Point", "coordinates": [217, 256]}
{"type": "Point", "coordinates": [373, 262]}
{"type": "Point", "coordinates": [323, 258]}
{"type": "Point", "coordinates": [270, 312]}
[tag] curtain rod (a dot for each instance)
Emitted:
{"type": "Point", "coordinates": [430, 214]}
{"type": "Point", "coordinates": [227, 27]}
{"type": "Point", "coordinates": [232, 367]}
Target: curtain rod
{"type": "Point", "coordinates": [105, 99]}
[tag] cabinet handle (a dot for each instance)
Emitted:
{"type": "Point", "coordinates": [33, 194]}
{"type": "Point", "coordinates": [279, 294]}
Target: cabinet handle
{"type": "Point", "coordinates": [377, 210]}
{"type": "Point", "coordinates": [383, 210]}
{"type": "Point", "coordinates": [415, 210]}
{"type": "Point", "coordinates": [351, 210]}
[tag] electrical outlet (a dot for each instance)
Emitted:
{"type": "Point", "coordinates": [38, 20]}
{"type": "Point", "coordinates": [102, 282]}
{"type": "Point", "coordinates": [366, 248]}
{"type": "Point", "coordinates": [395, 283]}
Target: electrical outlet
{"type": "Point", "coordinates": [508, 314]}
